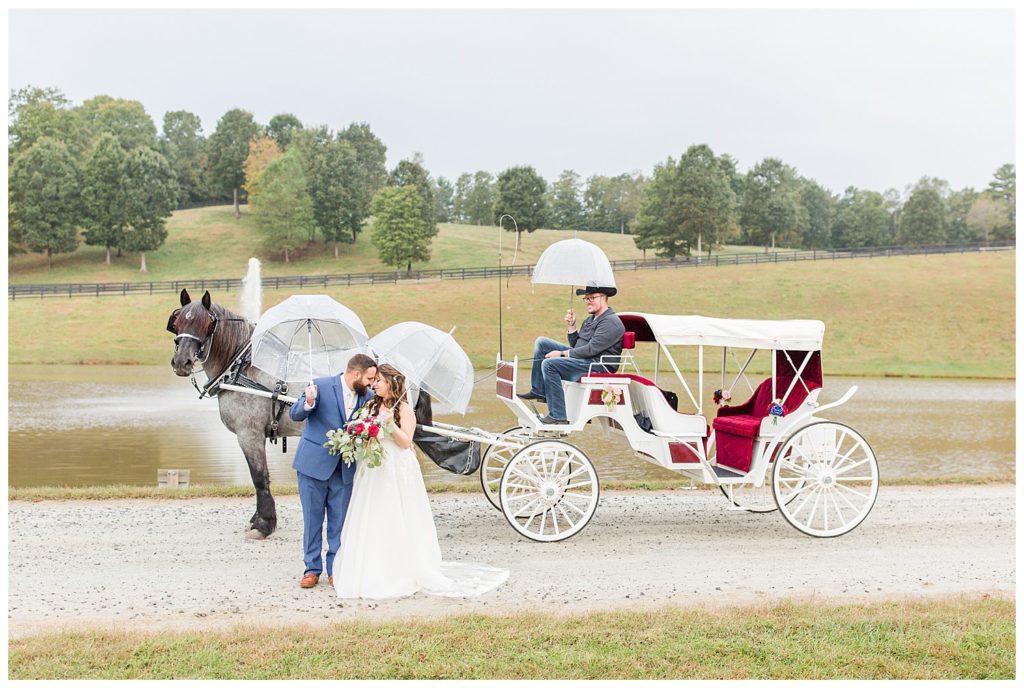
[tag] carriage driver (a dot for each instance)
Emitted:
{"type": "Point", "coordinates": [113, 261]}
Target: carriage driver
{"type": "Point", "coordinates": [601, 335]}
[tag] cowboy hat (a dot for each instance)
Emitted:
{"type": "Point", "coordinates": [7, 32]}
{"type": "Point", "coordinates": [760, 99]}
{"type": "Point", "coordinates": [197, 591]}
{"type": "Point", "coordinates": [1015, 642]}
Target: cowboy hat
{"type": "Point", "coordinates": [593, 288]}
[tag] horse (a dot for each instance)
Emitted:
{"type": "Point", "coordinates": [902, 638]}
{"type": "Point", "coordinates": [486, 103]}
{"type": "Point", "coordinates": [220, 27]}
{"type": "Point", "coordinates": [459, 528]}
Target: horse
{"type": "Point", "coordinates": [213, 336]}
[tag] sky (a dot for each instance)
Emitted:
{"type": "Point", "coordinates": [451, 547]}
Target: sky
{"type": "Point", "coordinates": [869, 98]}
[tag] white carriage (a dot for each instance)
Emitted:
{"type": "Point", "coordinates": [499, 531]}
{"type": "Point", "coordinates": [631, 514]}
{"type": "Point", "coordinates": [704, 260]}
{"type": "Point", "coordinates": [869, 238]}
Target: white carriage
{"type": "Point", "coordinates": [773, 451]}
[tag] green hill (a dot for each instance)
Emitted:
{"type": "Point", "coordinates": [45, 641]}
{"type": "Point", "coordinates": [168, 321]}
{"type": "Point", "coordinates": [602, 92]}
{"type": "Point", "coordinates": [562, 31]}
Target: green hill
{"type": "Point", "coordinates": [211, 243]}
{"type": "Point", "coordinates": [940, 315]}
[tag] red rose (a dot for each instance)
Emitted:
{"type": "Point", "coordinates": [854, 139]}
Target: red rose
{"type": "Point", "coordinates": [374, 430]}
{"type": "Point", "coordinates": [360, 428]}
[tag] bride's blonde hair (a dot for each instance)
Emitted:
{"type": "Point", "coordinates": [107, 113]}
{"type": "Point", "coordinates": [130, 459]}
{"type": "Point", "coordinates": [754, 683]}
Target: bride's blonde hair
{"type": "Point", "coordinates": [397, 383]}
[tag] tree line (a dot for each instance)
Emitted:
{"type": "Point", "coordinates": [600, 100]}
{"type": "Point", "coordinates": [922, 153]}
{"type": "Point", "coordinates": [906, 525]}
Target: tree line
{"type": "Point", "coordinates": [102, 169]}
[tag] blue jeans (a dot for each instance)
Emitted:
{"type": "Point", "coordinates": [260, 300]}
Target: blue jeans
{"type": "Point", "coordinates": [547, 374]}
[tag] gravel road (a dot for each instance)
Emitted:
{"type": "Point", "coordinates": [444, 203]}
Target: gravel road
{"type": "Point", "coordinates": [156, 564]}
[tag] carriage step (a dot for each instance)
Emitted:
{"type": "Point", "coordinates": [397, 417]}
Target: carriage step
{"type": "Point", "coordinates": [725, 472]}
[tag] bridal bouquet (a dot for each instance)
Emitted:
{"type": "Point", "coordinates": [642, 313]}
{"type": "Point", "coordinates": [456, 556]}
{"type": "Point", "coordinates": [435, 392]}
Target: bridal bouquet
{"type": "Point", "coordinates": [359, 440]}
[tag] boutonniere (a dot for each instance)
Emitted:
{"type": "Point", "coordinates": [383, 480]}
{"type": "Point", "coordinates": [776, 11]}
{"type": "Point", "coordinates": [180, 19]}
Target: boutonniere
{"type": "Point", "coordinates": [776, 411]}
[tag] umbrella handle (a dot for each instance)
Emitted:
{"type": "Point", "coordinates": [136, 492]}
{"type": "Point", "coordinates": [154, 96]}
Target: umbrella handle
{"type": "Point", "coordinates": [309, 333]}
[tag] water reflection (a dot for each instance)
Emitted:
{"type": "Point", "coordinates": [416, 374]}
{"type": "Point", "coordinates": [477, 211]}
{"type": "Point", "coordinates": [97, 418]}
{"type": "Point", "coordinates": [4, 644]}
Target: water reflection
{"type": "Point", "coordinates": [119, 424]}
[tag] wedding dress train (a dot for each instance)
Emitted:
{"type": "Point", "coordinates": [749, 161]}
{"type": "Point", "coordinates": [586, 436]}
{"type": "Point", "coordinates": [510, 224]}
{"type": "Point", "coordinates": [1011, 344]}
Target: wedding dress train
{"type": "Point", "coordinates": [389, 542]}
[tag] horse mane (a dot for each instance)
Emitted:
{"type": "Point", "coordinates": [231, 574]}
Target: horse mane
{"type": "Point", "coordinates": [232, 334]}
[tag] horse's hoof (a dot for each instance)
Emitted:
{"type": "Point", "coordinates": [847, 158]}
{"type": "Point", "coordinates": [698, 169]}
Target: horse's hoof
{"type": "Point", "coordinates": [253, 534]}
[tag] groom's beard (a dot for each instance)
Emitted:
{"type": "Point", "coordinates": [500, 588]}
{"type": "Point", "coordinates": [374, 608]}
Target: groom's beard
{"type": "Point", "coordinates": [359, 389]}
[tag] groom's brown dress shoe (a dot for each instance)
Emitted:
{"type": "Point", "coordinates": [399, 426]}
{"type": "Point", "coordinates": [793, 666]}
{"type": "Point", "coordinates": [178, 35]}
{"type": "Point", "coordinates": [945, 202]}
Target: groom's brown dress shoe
{"type": "Point", "coordinates": [309, 580]}
{"type": "Point", "coordinates": [330, 581]}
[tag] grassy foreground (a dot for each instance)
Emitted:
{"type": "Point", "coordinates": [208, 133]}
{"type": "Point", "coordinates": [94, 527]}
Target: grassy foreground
{"type": "Point", "coordinates": [955, 638]}
{"type": "Point", "coordinates": [929, 316]}
{"type": "Point", "coordinates": [106, 492]}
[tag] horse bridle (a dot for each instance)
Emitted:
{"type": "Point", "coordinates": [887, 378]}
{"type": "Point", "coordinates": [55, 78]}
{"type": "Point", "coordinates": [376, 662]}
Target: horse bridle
{"type": "Point", "coordinates": [200, 357]}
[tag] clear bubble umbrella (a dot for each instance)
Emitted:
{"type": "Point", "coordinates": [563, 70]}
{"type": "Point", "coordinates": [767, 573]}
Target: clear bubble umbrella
{"type": "Point", "coordinates": [305, 337]}
{"type": "Point", "coordinates": [573, 262]}
{"type": "Point", "coordinates": [431, 360]}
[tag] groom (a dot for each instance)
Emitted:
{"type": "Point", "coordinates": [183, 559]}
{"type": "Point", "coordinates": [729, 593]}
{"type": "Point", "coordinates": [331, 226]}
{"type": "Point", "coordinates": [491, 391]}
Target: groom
{"type": "Point", "coordinates": [325, 482]}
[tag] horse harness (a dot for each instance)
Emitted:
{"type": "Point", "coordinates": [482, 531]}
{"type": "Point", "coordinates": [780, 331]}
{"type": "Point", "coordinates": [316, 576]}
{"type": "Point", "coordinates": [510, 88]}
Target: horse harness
{"type": "Point", "coordinates": [234, 375]}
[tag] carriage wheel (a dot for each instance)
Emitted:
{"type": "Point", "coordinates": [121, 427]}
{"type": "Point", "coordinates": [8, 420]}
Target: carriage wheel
{"type": "Point", "coordinates": [493, 464]}
{"type": "Point", "coordinates": [825, 479]}
{"type": "Point", "coordinates": [549, 491]}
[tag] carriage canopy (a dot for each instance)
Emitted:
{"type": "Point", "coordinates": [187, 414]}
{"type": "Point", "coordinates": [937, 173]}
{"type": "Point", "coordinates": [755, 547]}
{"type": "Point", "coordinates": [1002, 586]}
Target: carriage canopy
{"type": "Point", "coordinates": [697, 330]}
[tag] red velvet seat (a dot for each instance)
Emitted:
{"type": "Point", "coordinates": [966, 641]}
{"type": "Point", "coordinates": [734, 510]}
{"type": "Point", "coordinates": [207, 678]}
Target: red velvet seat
{"type": "Point", "coordinates": [736, 427]}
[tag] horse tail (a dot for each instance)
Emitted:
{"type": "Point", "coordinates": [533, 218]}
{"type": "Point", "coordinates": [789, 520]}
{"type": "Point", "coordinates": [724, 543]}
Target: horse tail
{"type": "Point", "coordinates": [250, 302]}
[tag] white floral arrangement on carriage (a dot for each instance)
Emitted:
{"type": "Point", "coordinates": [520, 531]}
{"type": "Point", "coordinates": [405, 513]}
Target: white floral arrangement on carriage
{"type": "Point", "coordinates": [359, 440]}
{"type": "Point", "coordinates": [609, 397]}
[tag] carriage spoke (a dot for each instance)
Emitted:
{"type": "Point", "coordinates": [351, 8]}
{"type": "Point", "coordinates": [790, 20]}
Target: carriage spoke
{"type": "Point", "coordinates": [805, 502]}
{"type": "Point", "coordinates": [578, 510]}
{"type": "Point", "coordinates": [839, 509]}
{"type": "Point", "coordinates": [575, 485]}
{"type": "Point", "coordinates": [843, 459]}
{"type": "Point", "coordinates": [794, 493]}
{"type": "Point", "coordinates": [848, 502]}
{"type": "Point", "coordinates": [862, 495]}
{"type": "Point", "coordinates": [567, 518]}
{"type": "Point", "coordinates": [578, 471]}
{"type": "Point", "coordinates": [852, 466]}
{"type": "Point", "coordinates": [529, 505]}
{"type": "Point", "coordinates": [814, 509]}
{"type": "Point", "coordinates": [786, 463]}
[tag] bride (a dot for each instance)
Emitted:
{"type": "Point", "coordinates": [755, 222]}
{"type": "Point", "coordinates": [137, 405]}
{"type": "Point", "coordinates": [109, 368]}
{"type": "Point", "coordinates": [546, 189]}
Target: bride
{"type": "Point", "coordinates": [389, 543]}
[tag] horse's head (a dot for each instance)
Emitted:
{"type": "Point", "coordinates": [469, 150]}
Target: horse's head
{"type": "Point", "coordinates": [193, 326]}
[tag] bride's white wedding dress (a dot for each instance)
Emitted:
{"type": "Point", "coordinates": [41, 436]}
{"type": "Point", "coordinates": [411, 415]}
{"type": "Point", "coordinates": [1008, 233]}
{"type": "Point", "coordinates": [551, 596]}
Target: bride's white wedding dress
{"type": "Point", "coordinates": [389, 543]}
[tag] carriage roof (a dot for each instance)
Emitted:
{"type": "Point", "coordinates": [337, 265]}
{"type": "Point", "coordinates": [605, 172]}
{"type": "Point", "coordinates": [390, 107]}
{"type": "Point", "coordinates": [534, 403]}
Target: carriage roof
{"type": "Point", "coordinates": [800, 335]}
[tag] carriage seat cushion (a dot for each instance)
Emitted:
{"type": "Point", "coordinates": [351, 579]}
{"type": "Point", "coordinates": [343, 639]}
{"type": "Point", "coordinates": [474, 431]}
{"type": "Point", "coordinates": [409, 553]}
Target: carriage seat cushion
{"type": "Point", "coordinates": [626, 376]}
{"type": "Point", "coordinates": [744, 426]}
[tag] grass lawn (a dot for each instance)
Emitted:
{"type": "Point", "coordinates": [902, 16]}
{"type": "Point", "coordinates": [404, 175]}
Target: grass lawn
{"type": "Point", "coordinates": [944, 316]}
{"type": "Point", "coordinates": [211, 243]}
{"type": "Point", "coordinates": [957, 638]}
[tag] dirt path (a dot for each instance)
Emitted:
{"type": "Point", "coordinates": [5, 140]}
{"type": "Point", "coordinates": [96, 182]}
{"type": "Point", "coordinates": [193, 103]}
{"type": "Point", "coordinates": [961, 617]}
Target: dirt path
{"type": "Point", "coordinates": [153, 564]}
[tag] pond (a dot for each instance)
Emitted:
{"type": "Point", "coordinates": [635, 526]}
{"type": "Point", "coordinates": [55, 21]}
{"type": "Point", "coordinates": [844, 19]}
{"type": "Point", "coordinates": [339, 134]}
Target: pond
{"type": "Point", "coordinates": [101, 425]}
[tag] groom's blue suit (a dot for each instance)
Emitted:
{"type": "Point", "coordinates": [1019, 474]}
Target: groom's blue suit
{"type": "Point", "coordinates": [325, 482]}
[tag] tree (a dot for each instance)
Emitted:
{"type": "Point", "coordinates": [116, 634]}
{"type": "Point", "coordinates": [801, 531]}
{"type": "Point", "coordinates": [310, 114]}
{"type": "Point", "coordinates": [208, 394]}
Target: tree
{"type": "Point", "coordinates": [960, 204]}
{"type": "Point", "coordinates": [371, 173]}
{"type": "Point", "coordinates": [444, 200]}
{"type": "Point", "coordinates": [398, 231]}
{"type": "Point", "coordinates": [182, 144]}
{"type": "Point", "coordinates": [125, 119]}
{"type": "Point", "coordinates": [610, 204]}
{"type": "Point", "coordinates": [480, 200]}
{"type": "Point", "coordinates": [150, 195]}
{"type": "Point", "coordinates": [34, 113]}
{"type": "Point", "coordinates": [520, 193]}
{"type": "Point", "coordinates": [44, 192]}
{"type": "Point", "coordinates": [1004, 188]}
{"type": "Point", "coordinates": [263, 150]}
{"type": "Point", "coordinates": [686, 204]}
{"type": "Point", "coordinates": [771, 202]}
{"type": "Point", "coordinates": [103, 195]}
{"type": "Point", "coordinates": [565, 204]}
{"type": "Point", "coordinates": [923, 218]}
{"type": "Point", "coordinates": [988, 218]}
{"type": "Point", "coordinates": [282, 127]}
{"type": "Point", "coordinates": [228, 148]}
{"type": "Point", "coordinates": [861, 219]}
{"type": "Point", "coordinates": [413, 173]}
{"type": "Point", "coordinates": [819, 205]}
{"type": "Point", "coordinates": [333, 181]}
{"type": "Point", "coordinates": [282, 208]}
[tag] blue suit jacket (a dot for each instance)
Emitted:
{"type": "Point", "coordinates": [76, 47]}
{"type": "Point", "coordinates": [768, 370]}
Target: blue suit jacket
{"type": "Point", "coordinates": [328, 413]}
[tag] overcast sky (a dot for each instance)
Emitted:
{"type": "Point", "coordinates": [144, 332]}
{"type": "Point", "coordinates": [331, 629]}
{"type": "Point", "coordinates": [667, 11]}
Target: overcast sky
{"type": "Point", "coordinates": [870, 98]}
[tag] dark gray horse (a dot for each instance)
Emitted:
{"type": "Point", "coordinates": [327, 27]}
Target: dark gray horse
{"type": "Point", "coordinates": [213, 336]}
